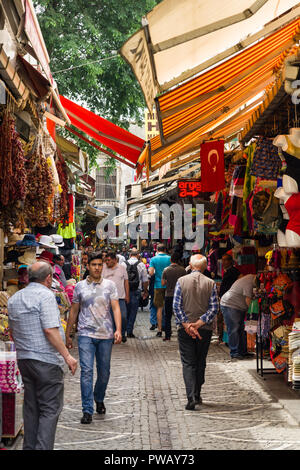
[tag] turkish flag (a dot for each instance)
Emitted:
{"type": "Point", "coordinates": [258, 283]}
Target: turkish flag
{"type": "Point", "coordinates": [212, 166]}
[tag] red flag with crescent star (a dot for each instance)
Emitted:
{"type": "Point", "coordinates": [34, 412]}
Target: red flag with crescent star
{"type": "Point", "coordinates": [212, 166]}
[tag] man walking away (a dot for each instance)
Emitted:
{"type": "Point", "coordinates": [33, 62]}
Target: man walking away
{"type": "Point", "coordinates": [153, 309]}
{"type": "Point", "coordinates": [195, 306]}
{"type": "Point", "coordinates": [92, 300]}
{"type": "Point", "coordinates": [170, 276]}
{"type": "Point", "coordinates": [35, 325]}
{"type": "Point", "coordinates": [138, 285]}
{"type": "Point", "coordinates": [234, 305]}
{"type": "Point", "coordinates": [116, 272]}
{"type": "Point", "coordinates": [157, 264]}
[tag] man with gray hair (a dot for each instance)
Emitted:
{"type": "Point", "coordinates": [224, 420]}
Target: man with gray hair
{"type": "Point", "coordinates": [35, 326]}
{"type": "Point", "coordinates": [195, 305]}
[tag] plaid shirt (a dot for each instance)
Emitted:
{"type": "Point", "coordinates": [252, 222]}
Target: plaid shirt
{"type": "Point", "coordinates": [30, 311]}
{"type": "Point", "coordinates": [180, 315]}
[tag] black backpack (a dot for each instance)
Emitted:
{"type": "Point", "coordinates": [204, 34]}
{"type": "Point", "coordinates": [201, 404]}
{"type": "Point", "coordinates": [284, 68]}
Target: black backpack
{"type": "Point", "coordinates": [133, 276]}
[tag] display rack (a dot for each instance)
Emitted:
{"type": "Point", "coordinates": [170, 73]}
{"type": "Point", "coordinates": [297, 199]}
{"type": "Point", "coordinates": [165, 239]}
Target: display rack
{"type": "Point", "coordinates": [260, 369]}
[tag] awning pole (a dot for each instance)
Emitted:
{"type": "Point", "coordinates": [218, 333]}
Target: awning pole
{"type": "Point", "coordinates": [107, 152]}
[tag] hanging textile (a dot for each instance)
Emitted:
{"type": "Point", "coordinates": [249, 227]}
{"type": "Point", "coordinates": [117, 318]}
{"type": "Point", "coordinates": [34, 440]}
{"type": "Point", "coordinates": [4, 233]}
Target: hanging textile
{"type": "Point", "coordinates": [266, 161]}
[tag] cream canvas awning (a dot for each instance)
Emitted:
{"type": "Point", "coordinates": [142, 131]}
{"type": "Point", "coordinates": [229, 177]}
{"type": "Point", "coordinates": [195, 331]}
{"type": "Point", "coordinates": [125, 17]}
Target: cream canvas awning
{"type": "Point", "coordinates": [73, 153]}
{"type": "Point", "coordinates": [181, 38]}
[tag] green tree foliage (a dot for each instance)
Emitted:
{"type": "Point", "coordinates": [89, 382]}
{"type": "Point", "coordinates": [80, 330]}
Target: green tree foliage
{"type": "Point", "coordinates": [80, 32]}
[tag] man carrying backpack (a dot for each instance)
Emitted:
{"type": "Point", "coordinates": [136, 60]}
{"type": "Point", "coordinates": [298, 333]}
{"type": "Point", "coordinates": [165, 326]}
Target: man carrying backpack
{"type": "Point", "coordinates": [138, 285]}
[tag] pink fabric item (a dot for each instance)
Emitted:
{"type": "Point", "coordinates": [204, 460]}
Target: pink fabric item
{"type": "Point", "coordinates": [70, 292]}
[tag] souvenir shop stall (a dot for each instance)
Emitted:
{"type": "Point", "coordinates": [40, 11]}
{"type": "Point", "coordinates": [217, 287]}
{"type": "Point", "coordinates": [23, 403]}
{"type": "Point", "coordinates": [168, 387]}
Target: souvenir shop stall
{"type": "Point", "coordinates": [33, 210]}
{"type": "Point", "coordinates": [36, 201]}
{"type": "Point", "coordinates": [257, 221]}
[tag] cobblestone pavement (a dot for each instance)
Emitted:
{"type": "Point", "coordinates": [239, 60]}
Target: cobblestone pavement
{"type": "Point", "coordinates": [146, 400]}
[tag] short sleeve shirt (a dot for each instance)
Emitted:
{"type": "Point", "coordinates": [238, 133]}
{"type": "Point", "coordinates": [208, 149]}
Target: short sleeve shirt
{"type": "Point", "coordinates": [235, 297]}
{"type": "Point", "coordinates": [171, 274]}
{"type": "Point", "coordinates": [159, 263]}
{"type": "Point", "coordinates": [95, 320]}
{"type": "Point", "coordinates": [141, 270]}
{"type": "Point", "coordinates": [30, 311]}
{"type": "Point", "coordinates": [118, 275]}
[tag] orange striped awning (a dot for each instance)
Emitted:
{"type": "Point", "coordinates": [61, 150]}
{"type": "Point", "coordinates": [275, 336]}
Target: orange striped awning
{"type": "Point", "coordinates": [183, 109]}
{"type": "Point", "coordinates": [213, 105]}
{"type": "Point", "coordinates": [193, 141]}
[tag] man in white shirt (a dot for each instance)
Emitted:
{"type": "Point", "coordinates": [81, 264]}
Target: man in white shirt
{"type": "Point", "coordinates": [138, 285]}
{"type": "Point", "coordinates": [234, 305]}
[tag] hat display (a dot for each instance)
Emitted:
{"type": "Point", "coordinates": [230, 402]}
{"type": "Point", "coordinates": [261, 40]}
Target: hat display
{"type": "Point", "coordinates": [13, 238]}
{"type": "Point", "coordinates": [11, 290]}
{"type": "Point", "coordinates": [4, 296]}
{"type": "Point", "coordinates": [28, 258]}
{"type": "Point", "coordinates": [28, 240]}
{"type": "Point", "coordinates": [58, 240]}
{"type": "Point", "coordinates": [12, 256]}
{"type": "Point", "coordinates": [47, 241]}
{"type": "Point", "coordinates": [46, 256]}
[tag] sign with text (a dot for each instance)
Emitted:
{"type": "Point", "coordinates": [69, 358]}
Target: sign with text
{"type": "Point", "coordinates": [188, 188]}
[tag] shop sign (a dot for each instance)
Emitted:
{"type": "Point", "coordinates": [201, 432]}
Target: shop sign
{"type": "Point", "coordinates": [188, 188]}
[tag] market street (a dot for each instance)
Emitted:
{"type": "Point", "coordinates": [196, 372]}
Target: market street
{"type": "Point", "coordinates": [146, 404]}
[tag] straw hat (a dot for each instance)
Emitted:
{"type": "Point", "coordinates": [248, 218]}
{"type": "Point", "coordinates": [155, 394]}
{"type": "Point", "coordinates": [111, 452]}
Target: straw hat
{"type": "Point", "coordinates": [11, 290]}
{"type": "Point", "coordinates": [28, 258]}
{"type": "Point", "coordinates": [14, 238]}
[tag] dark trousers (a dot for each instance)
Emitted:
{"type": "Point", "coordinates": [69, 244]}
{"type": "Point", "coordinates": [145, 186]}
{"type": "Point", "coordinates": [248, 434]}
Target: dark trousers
{"type": "Point", "coordinates": [43, 402]}
{"type": "Point", "coordinates": [132, 309]}
{"type": "Point", "coordinates": [193, 354]}
{"type": "Point", "coordinates": [168, 316]}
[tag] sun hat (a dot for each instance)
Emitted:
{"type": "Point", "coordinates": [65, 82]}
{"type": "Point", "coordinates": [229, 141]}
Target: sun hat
{"type": "Point", "coordinates": [28, 240]}
{"type": "Point", "coordinates": [46, 256]}
{"type": "Point", "coordinates": [58, 240]}
{"type": "Point", "coordinates": [11, 290]}
{"type": "Point", "coordinates": [46, 241]}
{"type": "Point", "coordinates": [28, 258]}
{"type": "Point", "coordinates": [13, 238]}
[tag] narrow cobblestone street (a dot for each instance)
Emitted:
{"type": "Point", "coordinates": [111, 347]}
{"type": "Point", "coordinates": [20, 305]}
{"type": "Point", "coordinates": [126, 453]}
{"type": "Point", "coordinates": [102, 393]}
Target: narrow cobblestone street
{"type": "Point", "coordinates": [146, 404]}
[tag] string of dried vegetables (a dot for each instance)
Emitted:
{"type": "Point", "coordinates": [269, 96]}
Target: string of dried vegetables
{"type": "Point", "coordinates": [40, 188]}
{"type": "Point", "coordinates": [61, 167]}
{"type": "Point", "coordinates": [13, 176]}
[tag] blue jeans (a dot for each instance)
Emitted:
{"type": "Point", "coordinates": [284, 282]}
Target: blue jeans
{"type": "Point", "coordinates": [123, 309]}
{"type": "Point", "coordinates": [237, 339]}
{"type": "Point", "coordinates": [89, 348]}
{"type": "Point", "coordinates": [153, 312]}
{"type": "Point", "coordinates": [132, 309]}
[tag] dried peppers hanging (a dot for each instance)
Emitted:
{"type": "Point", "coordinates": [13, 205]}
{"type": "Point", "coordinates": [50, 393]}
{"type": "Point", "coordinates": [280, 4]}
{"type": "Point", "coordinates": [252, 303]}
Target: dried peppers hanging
{"type": "Point", "coordinates": [13, 176]}
{"type": "Point", "coordinates": [39, 200]}
{"type": "Point", "coordinates": [63, 180]}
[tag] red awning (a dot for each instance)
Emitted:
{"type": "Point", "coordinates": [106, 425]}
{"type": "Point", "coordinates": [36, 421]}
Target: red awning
{"type": "Point", "coordinates": [112, 136]}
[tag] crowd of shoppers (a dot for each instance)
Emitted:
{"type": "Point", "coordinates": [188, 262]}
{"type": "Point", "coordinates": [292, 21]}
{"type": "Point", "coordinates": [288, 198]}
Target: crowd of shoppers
{"type": "Point", "coordinates": [104, 308]}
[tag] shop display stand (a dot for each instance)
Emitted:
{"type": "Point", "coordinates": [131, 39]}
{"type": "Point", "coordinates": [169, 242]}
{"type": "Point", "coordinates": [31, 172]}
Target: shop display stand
{"type": "Point", "coordinates": [12, 419]}
{"type": "Point", "coordinates": [261, 371]}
